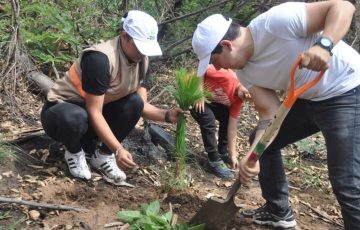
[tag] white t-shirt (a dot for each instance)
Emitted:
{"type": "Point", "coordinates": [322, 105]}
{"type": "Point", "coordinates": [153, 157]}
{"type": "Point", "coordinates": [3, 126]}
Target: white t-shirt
{"type": "Point", "coordinates": [279, 37]}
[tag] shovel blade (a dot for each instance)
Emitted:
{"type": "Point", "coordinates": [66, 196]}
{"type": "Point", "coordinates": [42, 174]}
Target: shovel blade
{"type": "Point", "coordinates": [215, 213]}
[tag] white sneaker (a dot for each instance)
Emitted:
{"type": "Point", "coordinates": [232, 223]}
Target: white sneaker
{"type": "Point", "coordinates": [107, 165]}
{"type": "Point", "coordinates": [77, 165]}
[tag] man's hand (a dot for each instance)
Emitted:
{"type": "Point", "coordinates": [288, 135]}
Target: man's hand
{"type": "Point", "coordinates": [124, 159]}
{"type": "Point", "coordinates": [247, 170]}
{"type": "Point", "coordinates": [173, 115]}
{"type": "Point", "coordinates": [316, 58]}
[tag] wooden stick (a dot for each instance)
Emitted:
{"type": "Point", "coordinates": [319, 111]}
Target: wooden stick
{"type": "Point", "coordinates": [193, 13]}
{"type": "Point", "coordinates": [157, 96]}
{"type": "Point", "coordinates": [41, 205]}
{"type": "Point", "coordinates": [113, 224]}
{"type": "Point", "coordinates": [325, 217]}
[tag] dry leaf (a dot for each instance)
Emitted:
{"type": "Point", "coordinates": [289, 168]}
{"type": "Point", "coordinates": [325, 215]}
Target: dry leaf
{"type": "Point", "coordinates": [15, 190]}
{"type": "Point", "coordinates": [228, 184]}
{"type": "Point", "coordinates": [33, 151]}
{"type": "Point", "coordinates": [209, 195]}
{"type": "Point", "coordinates": [8, 174]}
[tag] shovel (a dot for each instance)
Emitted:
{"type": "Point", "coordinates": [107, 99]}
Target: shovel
{"type": "Point", "coordinates": [216, 213]}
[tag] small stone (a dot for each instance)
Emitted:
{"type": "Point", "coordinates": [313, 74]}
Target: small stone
{"type": "Point", "coordinates": [34, 214]}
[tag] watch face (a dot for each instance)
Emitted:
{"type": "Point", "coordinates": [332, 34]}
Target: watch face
{"type": "Point", "coordinates": [325, 42]}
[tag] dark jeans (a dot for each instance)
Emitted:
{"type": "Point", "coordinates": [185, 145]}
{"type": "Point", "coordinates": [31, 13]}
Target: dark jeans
{"type": "Point", "coordinates": [338, 119]}
{"type": "Point", "coordinates": [206, 121]}
{"type": "Point", "coordinates": [69, 124]}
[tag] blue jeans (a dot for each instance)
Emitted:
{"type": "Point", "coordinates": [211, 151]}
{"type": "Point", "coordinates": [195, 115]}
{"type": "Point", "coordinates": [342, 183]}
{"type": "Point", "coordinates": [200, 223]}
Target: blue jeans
{"type": "Point", "coordinates": [338, 119]}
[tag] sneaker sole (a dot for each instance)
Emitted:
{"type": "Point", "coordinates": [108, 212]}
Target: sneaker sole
{"type": "Point", "coordinates": [278, 224]}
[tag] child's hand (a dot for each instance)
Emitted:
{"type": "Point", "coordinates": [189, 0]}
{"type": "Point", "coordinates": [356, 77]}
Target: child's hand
{"type": "Point", "coordinates": [234, 162]}
{"type": "Point", "coordinates": [243, 93]}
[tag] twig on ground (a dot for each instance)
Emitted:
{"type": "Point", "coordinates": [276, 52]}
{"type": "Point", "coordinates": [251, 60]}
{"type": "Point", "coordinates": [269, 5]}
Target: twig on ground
{"type": "Point", "coordinates": [113, 224]}
{"type": "Point", "coordinates": [295, 188]}
{"type": "Point", "coordinates": [157, 96]}
{"type": "Point", "coordinates": [126, 226]}
{"type": "Point", "coordinates": [352, 44]}
{"type": "Point", "coordinates": [55, 71]}
{"type": "Point", "coordinates": [85, 226]}
{"type": "Point", "coordinates": [324, 216]}
{"type": "Point", "coordinates": [40, 205]}
{"type": "Point", "coordinates": [23, 135]}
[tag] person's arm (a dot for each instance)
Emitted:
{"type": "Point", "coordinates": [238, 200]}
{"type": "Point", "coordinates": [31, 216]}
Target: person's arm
{"type": "Point", "coordinates": [266, 103]}
{"type": "Point", "coordinates": [231, 135]}
{"type": "Point", "coordinates": [95, 81]}
{"type": "Point", "coordinates": [334, 19]}
{"type": "Point", "coordinates": [94, 107]}
{"type": "Point", "coordinates": [154, 113]}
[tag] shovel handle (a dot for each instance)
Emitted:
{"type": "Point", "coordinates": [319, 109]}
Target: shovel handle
{"type": "Point", "coordinates": [285, 107]}
{"type": "Point", "coordinates": [293, 93]}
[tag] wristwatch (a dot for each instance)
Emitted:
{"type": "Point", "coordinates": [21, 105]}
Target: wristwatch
{"type": "Point", "coordinates": [325, 43]}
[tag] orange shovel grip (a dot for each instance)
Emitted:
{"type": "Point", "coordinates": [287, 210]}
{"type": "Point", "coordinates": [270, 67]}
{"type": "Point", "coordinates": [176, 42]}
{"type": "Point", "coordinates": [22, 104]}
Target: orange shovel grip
{"type": "Point", "coordinates": [293, 93]}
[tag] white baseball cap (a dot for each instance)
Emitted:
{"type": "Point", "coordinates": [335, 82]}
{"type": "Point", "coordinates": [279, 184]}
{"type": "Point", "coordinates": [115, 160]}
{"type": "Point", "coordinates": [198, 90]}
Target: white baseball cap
{"type": "Point", "coordinates": [207, 36]}
{"type": "Point", "coordinates": [143, 29]}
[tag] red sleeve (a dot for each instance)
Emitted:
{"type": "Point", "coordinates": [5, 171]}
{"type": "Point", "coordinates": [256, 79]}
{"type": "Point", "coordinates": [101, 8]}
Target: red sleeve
{"type": "Point", "coordinates": [235, 108]}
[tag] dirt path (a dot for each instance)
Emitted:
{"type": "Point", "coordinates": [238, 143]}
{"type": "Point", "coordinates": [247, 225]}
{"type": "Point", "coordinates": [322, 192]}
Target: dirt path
{"type": "Point", "coordinates": [31, 179]}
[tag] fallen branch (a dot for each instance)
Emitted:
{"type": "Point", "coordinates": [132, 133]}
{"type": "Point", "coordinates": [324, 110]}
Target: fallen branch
{"type": "Point", "coordinates": [324, 216]}
{"type": "Point", "coordinates": [16, 138]}
{"type": "Point", "coordinates": [194, 13]}
{"type": "Point", "coordinates": [157, 96]}
{"type": "Point", "coordinates": [166, 57]}
{"type": "Point", "coordinates": [41, 205]}
{"type": "Point", "coordinates": [170, 47]}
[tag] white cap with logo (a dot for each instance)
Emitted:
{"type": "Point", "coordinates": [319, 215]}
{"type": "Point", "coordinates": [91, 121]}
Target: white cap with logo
{"type": "Point", "coordinates": [207, 36]}
{"type": "Point", "coordinates": [143, 29]}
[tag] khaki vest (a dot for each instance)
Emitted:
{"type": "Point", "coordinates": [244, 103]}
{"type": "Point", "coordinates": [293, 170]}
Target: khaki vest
{"type": "Point", "coordinates": [125, 76]}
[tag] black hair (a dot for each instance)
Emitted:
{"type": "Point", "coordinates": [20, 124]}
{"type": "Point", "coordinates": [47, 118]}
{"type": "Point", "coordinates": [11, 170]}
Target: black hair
{"type": "Point", "coordinates": [232, 33]}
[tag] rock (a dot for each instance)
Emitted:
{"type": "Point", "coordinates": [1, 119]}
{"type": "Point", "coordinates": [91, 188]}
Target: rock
{"type": "Point", "coordinates": [34, 214]}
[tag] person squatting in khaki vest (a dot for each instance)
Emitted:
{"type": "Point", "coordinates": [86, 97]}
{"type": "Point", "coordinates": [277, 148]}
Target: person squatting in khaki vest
{"type": "Point", "coordinates": [103, 96]}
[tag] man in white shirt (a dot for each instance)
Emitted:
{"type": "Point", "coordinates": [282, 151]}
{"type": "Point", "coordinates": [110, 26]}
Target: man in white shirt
{"type": "Point", "coordinates": [263, 53]}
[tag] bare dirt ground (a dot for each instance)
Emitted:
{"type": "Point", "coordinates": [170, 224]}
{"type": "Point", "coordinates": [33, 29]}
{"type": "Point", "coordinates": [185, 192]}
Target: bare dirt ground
{"type": "Point", "coordinates": [40, 174]}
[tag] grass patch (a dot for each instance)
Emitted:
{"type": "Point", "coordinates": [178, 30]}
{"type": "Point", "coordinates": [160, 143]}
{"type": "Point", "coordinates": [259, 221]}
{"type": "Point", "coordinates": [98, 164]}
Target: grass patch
{"type": "Point", "coordinates": [7, 151]}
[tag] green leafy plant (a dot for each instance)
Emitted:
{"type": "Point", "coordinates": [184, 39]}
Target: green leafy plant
{"type": "Point", "coordinates": [310, 145]}
{"type": "Point", "coordinates": [150, 218]}
{"type": "Point", "coordinates": [312, 179]}
{"type": "Point", "coordinates": [188, 91]}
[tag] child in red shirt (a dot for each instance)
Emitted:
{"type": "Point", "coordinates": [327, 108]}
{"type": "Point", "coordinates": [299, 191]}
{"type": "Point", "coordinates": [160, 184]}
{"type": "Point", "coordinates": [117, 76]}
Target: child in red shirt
{"type": "Point", "coordinates": [225, 105]}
